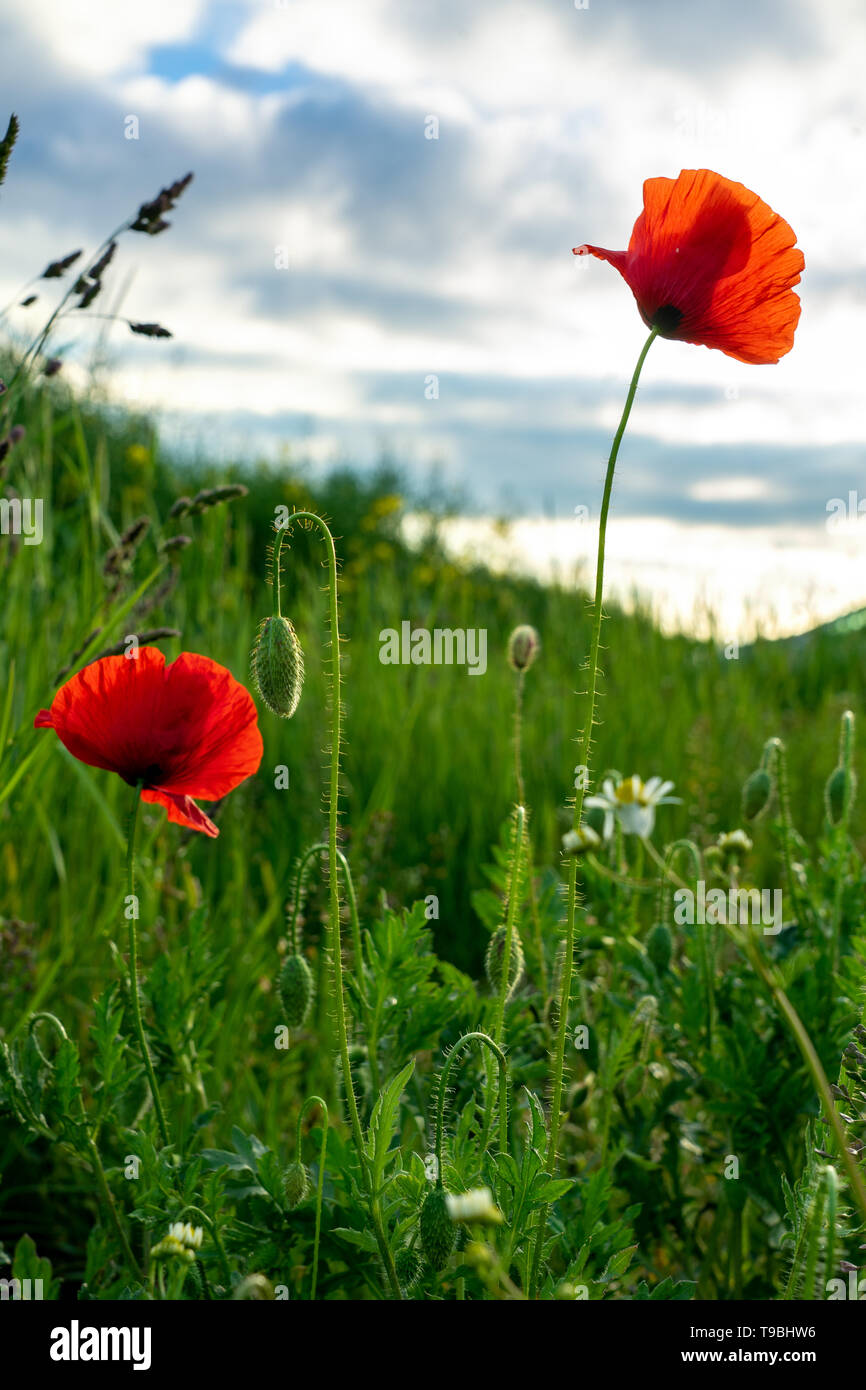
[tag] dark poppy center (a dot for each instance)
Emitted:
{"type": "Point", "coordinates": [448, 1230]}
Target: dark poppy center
{"type": "Point", "coordinates": [150, 776]}
{"type": "Point", "coordinates": [667, 319]}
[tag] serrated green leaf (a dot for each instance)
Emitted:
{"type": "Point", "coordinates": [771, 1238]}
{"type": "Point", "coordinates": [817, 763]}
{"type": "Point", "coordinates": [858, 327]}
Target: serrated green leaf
{"type": "Point", "coordinates": [618, 1263]}
{"type": "Point", "coordinates": [383, 1121]}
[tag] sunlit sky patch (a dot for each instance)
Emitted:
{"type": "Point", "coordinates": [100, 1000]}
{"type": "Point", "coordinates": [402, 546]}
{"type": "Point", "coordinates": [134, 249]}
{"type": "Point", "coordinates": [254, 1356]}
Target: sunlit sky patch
{"type": "Point", "coordinates": [410, 257]}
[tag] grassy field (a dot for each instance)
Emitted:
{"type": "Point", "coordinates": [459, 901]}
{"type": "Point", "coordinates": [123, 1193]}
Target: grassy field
{"type": "Point", "coordinates": [693, 1161]}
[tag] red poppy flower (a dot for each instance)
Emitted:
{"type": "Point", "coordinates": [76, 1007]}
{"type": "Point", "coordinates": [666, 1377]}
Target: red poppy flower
{"type": "Point", "coordinates": [710, 263]}
{"type": "Point", "coordinates": [184, 730]}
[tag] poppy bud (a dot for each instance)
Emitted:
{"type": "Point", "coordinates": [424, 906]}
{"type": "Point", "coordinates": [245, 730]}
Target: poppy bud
{"type": "Point", "coordinates": [278, 666]}
{"type": "Point", "coordinates": [407, 1264]}
{"type": "Point", "coordinates": [494, 957]}
{"type": "Point", "coordinates": [296, 989]}
{"type": "Point", "coordinates": [839, 783]}
{"type": "Point", "coordinates": [659, 946]}
{"type": "Point", "coordinates": [757, 790]}
{"type": "Point", "coordinates": [523, 647]}
{"type": "Point", "coordinates": [437, 1229]}
{"type": "Point", "coordinates": [296, 1184]}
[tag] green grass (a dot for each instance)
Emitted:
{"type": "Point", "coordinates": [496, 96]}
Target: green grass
{"type": "Point", "coordinates": [657, 1101]}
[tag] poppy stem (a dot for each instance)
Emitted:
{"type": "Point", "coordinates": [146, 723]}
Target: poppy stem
{"type": "Point", "coordinates": [131, 909]}
{"type": "Point", "coordinates": [308, 1105]}
{"type": "Point", "coordinates": [275, 571]}
{"type": "Point", "coordinates": [311, 518]}
{"type": "Point", "coordinates": [581, 783]}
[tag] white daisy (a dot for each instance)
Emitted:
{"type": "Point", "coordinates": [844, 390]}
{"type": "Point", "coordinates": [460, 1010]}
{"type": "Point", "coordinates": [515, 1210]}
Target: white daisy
{"type": "Point", "coordinates": [633, 803]}
{"type": "Point", "coordinates": [477, 1205]}
{"type": "Point", "coordinates": [579, 841]}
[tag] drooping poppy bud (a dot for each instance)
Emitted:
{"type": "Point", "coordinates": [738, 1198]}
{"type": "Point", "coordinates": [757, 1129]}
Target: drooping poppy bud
{"type": "Point", "coordinates": [493, 960]}
{"type": "Point", "coordinates": [437, 1228]}
{"type": "Point", "coordinates": [659, 946]}
{"type": "Point", "coordinates": [841, 788]}
{"type": "Point", "coordinates": [296, 988]}
{"type": "Point", "coordinates": [277, 664]}
{"type": "Point", "coordinates": [757, 790]}
{"type": "Point", "coordinates": [296, 1184]}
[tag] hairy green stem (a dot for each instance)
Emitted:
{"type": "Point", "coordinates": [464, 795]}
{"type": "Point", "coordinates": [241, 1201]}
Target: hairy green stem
{"type": "Point", "coordinates": [580, 788]}
{"type": "Point", "coordinates": [775, 752]}
{"type": "Point", "coordinates": [350, 897]}
{"type": "Point", "coordinates": [308, 1105]}
{"type": "Point", "coordinates": [521, 799]}
{"type": "Point", "coordinates": [312, 519]}
{"type": "Point", "coordinates": [442, 1094]}
{"type": "Point", "coordinates": [504, 989]}
{"type": "Point", "coordinates": [840, 831]}
{"type": "Point", "coordinates": [132, 919]}
{"type": "Point", "coordinates": [518, 845]}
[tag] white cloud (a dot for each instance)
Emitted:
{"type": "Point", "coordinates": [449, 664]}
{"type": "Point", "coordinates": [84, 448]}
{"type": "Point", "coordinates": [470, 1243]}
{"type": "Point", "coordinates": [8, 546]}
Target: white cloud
{"type": "Point", "coordinates": [100, 38]}
{"type": "Point", "coordinates": [550, 119]}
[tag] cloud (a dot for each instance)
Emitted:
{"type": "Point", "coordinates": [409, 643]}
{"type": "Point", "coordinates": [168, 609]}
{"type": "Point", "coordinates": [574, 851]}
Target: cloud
{"type": "Point", "coordinates": [330, 256]}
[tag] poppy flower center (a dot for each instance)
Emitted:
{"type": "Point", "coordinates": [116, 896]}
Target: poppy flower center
{"type": "Point", "coordinates": [150, 776]}
{"type": "Point", "coordinates": [667, 319]}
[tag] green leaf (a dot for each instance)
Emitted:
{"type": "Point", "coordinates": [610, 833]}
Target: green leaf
{"type": "Point", "coordinates": [383, 1121]}
{"type": "Point", "coordinates": [618, 1263]}
{"type": "Point", "coordinates": [363, 1239]}
{"type": "Point", "coordinates": [27, 1265]}
{"type": "Point", "coordinates": [248, 1146]}
{"type": "Point", "coordinates": [681, 1291]}
{"type": "Point", "coordinates": [222, 1158]}
{"type": "Point", "coordinates": [546, 1189]}
{"type": "Point", "coordinates": [539, 1126]}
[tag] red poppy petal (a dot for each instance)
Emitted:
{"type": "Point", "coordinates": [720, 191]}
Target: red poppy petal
{"type": "Point", "coordinates": [218, 718]}
{"type": "Point", "coordinates": [188, 727]}
{"type": "Point", "coordinates": [104, 714]}
{"type": "Point", "coordinates": [182, 810]}
{"type": "Point", "coordinates": [710, 263]}
{"type": "Point", "coordinates": [615, 258]}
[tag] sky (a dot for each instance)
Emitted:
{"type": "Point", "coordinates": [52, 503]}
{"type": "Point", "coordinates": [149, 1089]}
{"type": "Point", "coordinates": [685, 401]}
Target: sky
{"type": "Point", "coordinates": [375, 254]}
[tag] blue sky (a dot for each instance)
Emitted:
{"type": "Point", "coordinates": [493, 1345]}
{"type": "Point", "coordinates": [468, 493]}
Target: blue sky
{"type": "Point", "coordinates": [409, 257]}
